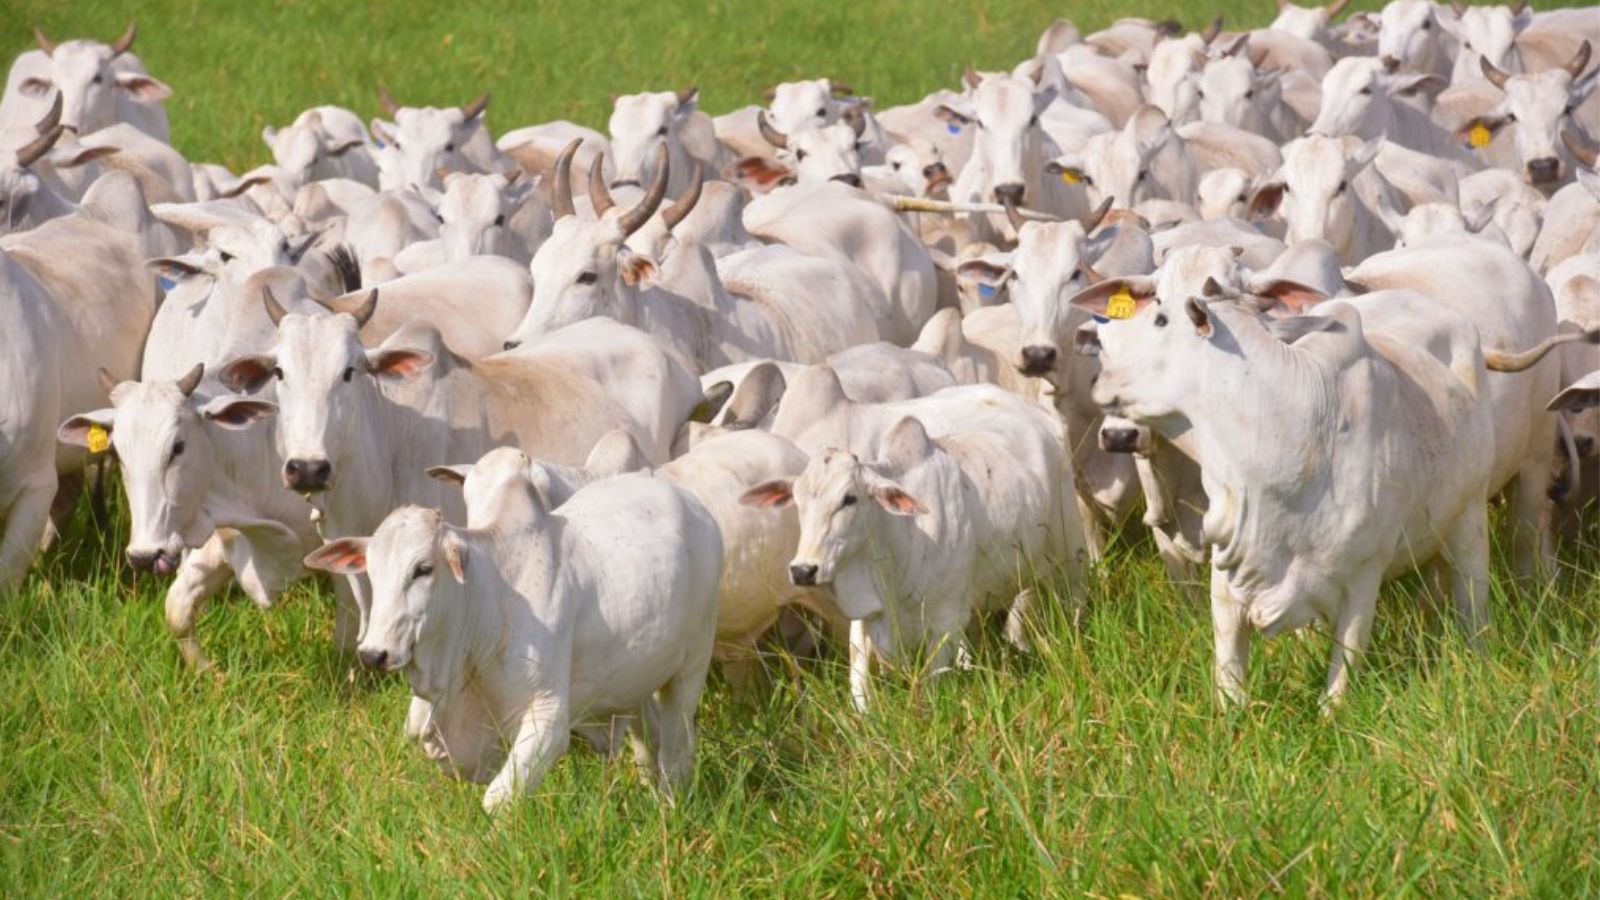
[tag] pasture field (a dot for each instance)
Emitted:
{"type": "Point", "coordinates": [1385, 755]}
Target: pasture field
{"type": "Point", "coordinates": [1098, 765]}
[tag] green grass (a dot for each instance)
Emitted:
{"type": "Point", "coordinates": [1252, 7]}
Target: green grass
{"type": "Point", "coordinates": [1097, 765]}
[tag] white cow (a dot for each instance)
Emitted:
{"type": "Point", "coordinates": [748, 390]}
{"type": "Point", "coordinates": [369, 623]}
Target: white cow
{"type": "Point", "coordinates": [1411, 38]}
{"type": "Point", "coordinates": [422, 142]}
{"type": "Point", "coordinates": [1321, 194]}
{"type": "Point", "coordinates": [1533, 110]}
{"type": "Point", "coordinates": [642, 122]}
{"type": "Point", "coordinates": [322, 142]}
{"type": "Point", "coordinates": [536, 620]}
{"type": "Point", "coordinates": [99, 86]}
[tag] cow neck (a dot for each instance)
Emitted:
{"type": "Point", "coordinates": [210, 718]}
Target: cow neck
{"type": "Point", "coordinates": [367, 489]}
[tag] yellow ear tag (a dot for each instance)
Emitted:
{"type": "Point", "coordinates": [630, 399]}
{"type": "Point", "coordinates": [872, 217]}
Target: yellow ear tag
{"type": "Point", "coordinates": [1070, 176]}
{"type": "Point", "coordinates": [1121, 305]}
{"type": "Point", "coordinates": [99, 439]}
{"type": "Point", "coordinates": [1479, 136]}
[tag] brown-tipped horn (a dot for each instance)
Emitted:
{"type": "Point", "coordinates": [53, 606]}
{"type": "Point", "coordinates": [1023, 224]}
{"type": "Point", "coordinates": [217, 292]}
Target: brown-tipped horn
{"type": "Point", "coordinates": [599, 195]}
{"type": "Point", "coordinates": [772, 135]}
{"type": "Point", "coordinates": [1211, 31]}
{"type": "Point", "coordinates": [1519, 9]}
{"type": "Point", "coordinates": [687, 94]}
{"type": "Point", "coordinates": [634, 219]}
{"type": "Point", "coordinates": [1282, 5]}
{"type": "Point", "coordinates": [275, 310]}
{"type": "Point", "coordinates": [1579, 61]}
{"type": "Point", "coordinates": [1493, 73]}
{"type": "Point", "coordinates": [1336, 7]}
{"type": "Point", "coordinates": [51, 119]}
{"type": "Point", "coordinates": [29, 153]}
{"type": "Point", "coordinates": [190, 381]}
{"type": "Point", "coordinates": [840, 88]}
{"type": "Point", "coordinates": [45, 44]}
{"type": "Point", "coordinates": [387, 101]}
{"type": "Point", "coordinates": [561, 194]}
{"type": "Point", "coordinates": [1458, 8]}
{"type": "Point", "coordinates": [1239, 43]}
{"type": "Point", "coordinates": [1014, 214]}
{"type": "Point", "coordinates": [1092, 221]}
{"type": "Point", "coordinates": [124, 43]}
{"type": "Point", "coordinates": [681, 207]}
{"type": "Point", "coordinates": [770, 94]}
{"type": "Point", "coordinates": [1090, 276]}
{"type": "Point", "coordinates": [107, 380]}
{"type": "Point", "coordinates": [363, 313]}
{"type": "Point", "coordinates": [971, 78]}
{"type": "Point", "coordinates": [1581, 148]}
{"type": "Point", "coordinates": [856, 117]}
{"type": "Point", "coordinates": [475, 108]}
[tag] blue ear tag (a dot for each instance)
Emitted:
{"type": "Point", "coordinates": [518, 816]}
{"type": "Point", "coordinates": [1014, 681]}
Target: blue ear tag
{"type": "Point", "coordinates": [167, 284]}
{"type": "Point", "coordinates": [1099, 318]}
{"type": "Point", "coordinates": [985, 290]}
{"type": "Point", "coordinates": [953, 128]}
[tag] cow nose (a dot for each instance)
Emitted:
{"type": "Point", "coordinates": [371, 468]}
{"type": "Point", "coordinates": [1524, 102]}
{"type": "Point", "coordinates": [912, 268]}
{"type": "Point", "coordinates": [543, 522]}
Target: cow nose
{"type": "Point", "coordinates": [142, 560]}
{"type": "Point", "coordinates": [1544, 170]}
{"type": "Point", "coordinates": [935, 172]}
{"type": "Point", "coordinates": [1584, 444]}
{"type": "Point", "coordinates": [1390, 62]}
{"type": "Point", "coordinates": [1038, 360]}
{"type": "Point", "coordinates": [307, 474]}
{"type": "Point", "coordinates": [1119, 440]}
{"type": "Point", "coordinates": [803, 575]}
{"type": "Point", "coordinates": [372, 659]}
{"type": "Point", "coordinates": [849, 178]}
{"type": "Point", "coordinates": [510, 345]}
{"type": "Point", "coordinates": [1009, 193]}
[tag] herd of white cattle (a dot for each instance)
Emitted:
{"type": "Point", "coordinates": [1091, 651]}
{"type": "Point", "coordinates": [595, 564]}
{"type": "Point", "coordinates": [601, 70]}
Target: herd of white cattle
{"type": "Point", "coordinates": [569, 416]}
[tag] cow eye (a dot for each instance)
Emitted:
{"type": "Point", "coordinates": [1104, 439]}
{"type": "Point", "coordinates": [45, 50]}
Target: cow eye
{"type": "Point", "coordinates": [1511, 117]}
{"type": "Point", "coordinates": [277, 373]}
{"type": "Point", "coordinates": [799, 155]}
{"type": "Point", "coordinates": [588, 278]}
{"type": "Point", "coordinates": [99, 79]}
{"type": "Point", "coordinates": [423, 570]}
{"type": "Point", "coordinates": [849, 500]}
{"type": "Point", "coordinates": [177, 449]}
{"type": "Point", "coordinates": [662, 131]}
{"type": "Point", "coordinates": [822, 112]}
{"type": "Point", "coordinates": [1427, 24]}
{"type": "Point", "coordinates": [1140, 177]}
{"type": "Point", "coordinates": [1250, 94]}
{"type": "Point", "coordinates": [349, 373]}
{"type": "Point", "coordinates": [895, 166]}
{"type": "Point", "coordinates": [500, 220]}
{"type": "Point", "coordinates": [1034, 122]}
{"type": "Point", "coordinates": [1340, 189]}
{"type": "Point", "coordinates": [1366, 90]}
{"type": "Point", "coordinates": [1160, 320]}
{"type": "Point", "coordinates": [1200, 92]}
{"type": "Point", "coordinates": [449, 148]}
{"type": "Point", "coordinates": [226, 256]}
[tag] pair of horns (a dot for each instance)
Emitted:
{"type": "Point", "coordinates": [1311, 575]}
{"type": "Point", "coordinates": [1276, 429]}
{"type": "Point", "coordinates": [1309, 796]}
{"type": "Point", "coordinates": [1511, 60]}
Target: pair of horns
{"type": "Point", "coordinates": [186, 384]}
{"type": "Point", "coordinates": [362, 312]}
{"type": "Point", "coordinates": [600, 195]}
{"type": "Point", "coordinates": [1090, 222]}
{"type": "Point", "coordinates": [468, 112]}
{"type": "Point", "coordinates": [1574, 66]}
{"type": "Point", "coordinates": [119, 47]}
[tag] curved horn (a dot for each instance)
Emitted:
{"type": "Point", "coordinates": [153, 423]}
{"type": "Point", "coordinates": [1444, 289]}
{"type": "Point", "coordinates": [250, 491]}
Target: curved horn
{"type": "Point", "coordinates": [387, 101]}
{"type": "Point", "coordinates": [770, 94]}
{"type": "Point", "coordinates": [1579, 61]}
{"type": "Point", "coordinates": [107, 380]}
{"type": "Point", "coordinates": [1092, 221]}
{"type": "Point", "coordinates": [840, 88]}
{"type": "Point", "coordinates": [190, 381]}
{"type": "Point", "coordinates": [275, 310]}
{"type": "Point", "coordinates": [363, 313]}
{"type": "Point", "coordinates": [681, 207]}
{"type": "Point", "coordinates": [475, 108]}
{"type": "Point", "coordinates": [1211, 31]}
{"type": "Point", "coordinates": [1090, 276]}
{"type": "Point", "coordinates": [599, 195]}
{"type": "Point", "coordinates": [971, 78]}
{"type": "Point", "coordinates": [634, 218]}
{"type": "Point", "coordinates": [561, 192]}
{"type": "Point", "coordinates": [772, 135]}
{"type": "Point", "coordinates": [857, 119]}
{"type": "Point", "coordinates": [1336, 7]}
{"type": "Point", "coordinates": [1014, 214]}
{"type": "Point", "coordinates": [51, 119]}
{"type": "Point", "coordinates": [1581, 148]}
{"type": "Point", "coordinates": [687, 94]}
{"type": "Point", "coordinates": [29, 153]}
{"type": "Point", "coordinates": [1495, 76]}
{"type": "Point", "coordinates": [1282, 5]}
{"type": "Point", "coordinates": [45, 44]}
{"type": "Point", "coordinates": [126, 41]}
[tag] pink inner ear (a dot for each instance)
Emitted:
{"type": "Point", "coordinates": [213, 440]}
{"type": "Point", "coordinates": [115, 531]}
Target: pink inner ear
{"type": "Point", "coordinates": [1296, 297]}
{"type": "Point", "coordinates": [899, 501]}
{"type": "Point", "coordinates": [768, 496]}
{"type": "Point", "coordinates": [402, 363]}
{"type": "Point", "coordinates": [764, 172]}
{"type": "Point", "coordinates": [343, 557]}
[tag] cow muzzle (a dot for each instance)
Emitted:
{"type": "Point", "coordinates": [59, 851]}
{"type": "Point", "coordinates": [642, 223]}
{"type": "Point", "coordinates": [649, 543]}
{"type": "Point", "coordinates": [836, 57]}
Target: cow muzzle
{"type": "Point", "coordinates": [1010, 193]}
{"type": "Point", "coordinates": [1037, 360]}
{"type": "Point", "coordinates": [1544, 171]}
{"type": "Point", "coordinates": [803, 574]}
{"type": "Point", "coordinates": [849, 178]}
{"type": "Point", "coordinates": [376, 658]}
{"type": "Point", "coordinates": [160, 562]}
{"type": "Point", "coordinates": [308, 475]}
{"type": "Point", "coordinates": [937, 177]}
{"type": "Point", "coordinates": [1122, 439]}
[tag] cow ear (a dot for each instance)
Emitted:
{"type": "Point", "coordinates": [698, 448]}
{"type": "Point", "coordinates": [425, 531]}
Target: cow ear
{"type": "Point", "coordinates": [1199, 316]}
{"type": "Point", "coordinates": [178, 268]}
{"type": "Point", "coordinates": [1470, 134]}
{"type": "Point", "coordinates": [247, 374]}
{"type": "Point", "coordinates": [83, 156]}
{"type": "Point", "coordinates": [758, 171]}
{"type": "Point", "coordinates": [756, 396]}
{"type": "Point", "coordinates": [1285, 297]}
{"type": "Point", "coordinates": [268, 135]}
{"type": "Point", "coordinates": [906, 444]}
{"type": "Point", "coordinates": [770, 495]}
{"type": "Point", "coordinates": [1264, 202]}
{"type": "Point", "coordinates": [342, 149]}
{"type": "Point", "coordinates": [35, 87]}
{"type": "Point", "coordinates": [637, 270]}
{"type": "Point", "coordinates": [951, 116]}
{"type": "Point", "coordinates": [988, 276]}
{"type": "Point", "coordinates": [455, 555]}
{"type": "Point", "coordinates": [453, 474]}
{"type": "Point", "coordinates": [712, 400]}
{"type": "Point", "coordinates": [345, 556]}
{"type": "Point", "coordinates": [143, 88]}
{"type": "Point", "coordinates": [75, 431]}
{"type": "Point", "coordinates": [1413, 85]}
{"type": "Point", "coordinates": [237, 413]}
{"type": "Point", "coordinates": [1097, 299]}
{"type": "Point", "coordinates": [893, 497]}
{"type": "Point", "coordinates": [1582, 395]}
{"type": "Point", "coordinates": [400, 364]}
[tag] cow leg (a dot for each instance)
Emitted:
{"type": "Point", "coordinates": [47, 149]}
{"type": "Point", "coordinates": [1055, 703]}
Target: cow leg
{"type": "Point", "coordinates": [202, 573]}
{"type": "Point", "coordinates": [541, 739]}
{"type": "Point", "coordinates": [1350, 633]}
{"type": "Point", "coordinates": [1019, 618]}
{"type": "Point", "coordinates": [1466, 554]}
{"type": "Point", "coordinates": [68, 489]}
{"type": "Point", "coordinates": [25, 525]}
{"type": "Point", "coordinates": [1231, 632]}
{"type": "Point", "coordinates": [1533, 549]}
{"type": "Point", "coordinates": [860, 665]}
{"type": "Point", "coordinates": [417, 717]}
{"type": "Point", "coordinates": [644, 735]}
{"type": "Point", "coordinates": [678, 699]}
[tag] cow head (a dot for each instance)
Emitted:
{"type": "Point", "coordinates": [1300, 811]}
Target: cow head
{"type": "Point", "coordinates": [1005, 110]}
{"type": "Point", "coordinates": [1119, 167]}
{"type": "Point", "coordinates": [474, 209]}
{"type": "Point", "coordinates": [796, 106]}
{"type": "Point", "coordinates": [243, 242]}
{"type": "Point", "coordinates": [88, 79]}
{"type": "Point", "coordinates": [1410, 36]}
{"type": "Point", "coordinates": [1233, 90]}
{"type": "Point", "coordinates": [162, 434]}
{"type": "Point", "coordinates": [426, 141]}
{"type": "Point", "coordinates": [816, 155]}
{"type": "Point", "coordinates": [1173, 75]}
{"type": "Point", "coordinates": [18, 186]}
{"type": "Point", "coordinates": [1357, 91]}
{"type": "Point", "coordinates": [1485, 33]}
{"type": "Point", "coordinates": [297, 148]}
{"type": "Point", "coordinates": [1224, 193]}
{"type": "Point", "coordinates": [1314, 190]}
{"type": "Point", "coordinates": [918, 167]}
{"type": "Point", "coordinates": [1307, 22]}
{"type": "Point", "coordinates": [1047, 266]}
{"type": "Point", "coordinates": [1534, 109]}
{"type": "Point", "coordinates": [640, 123]}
